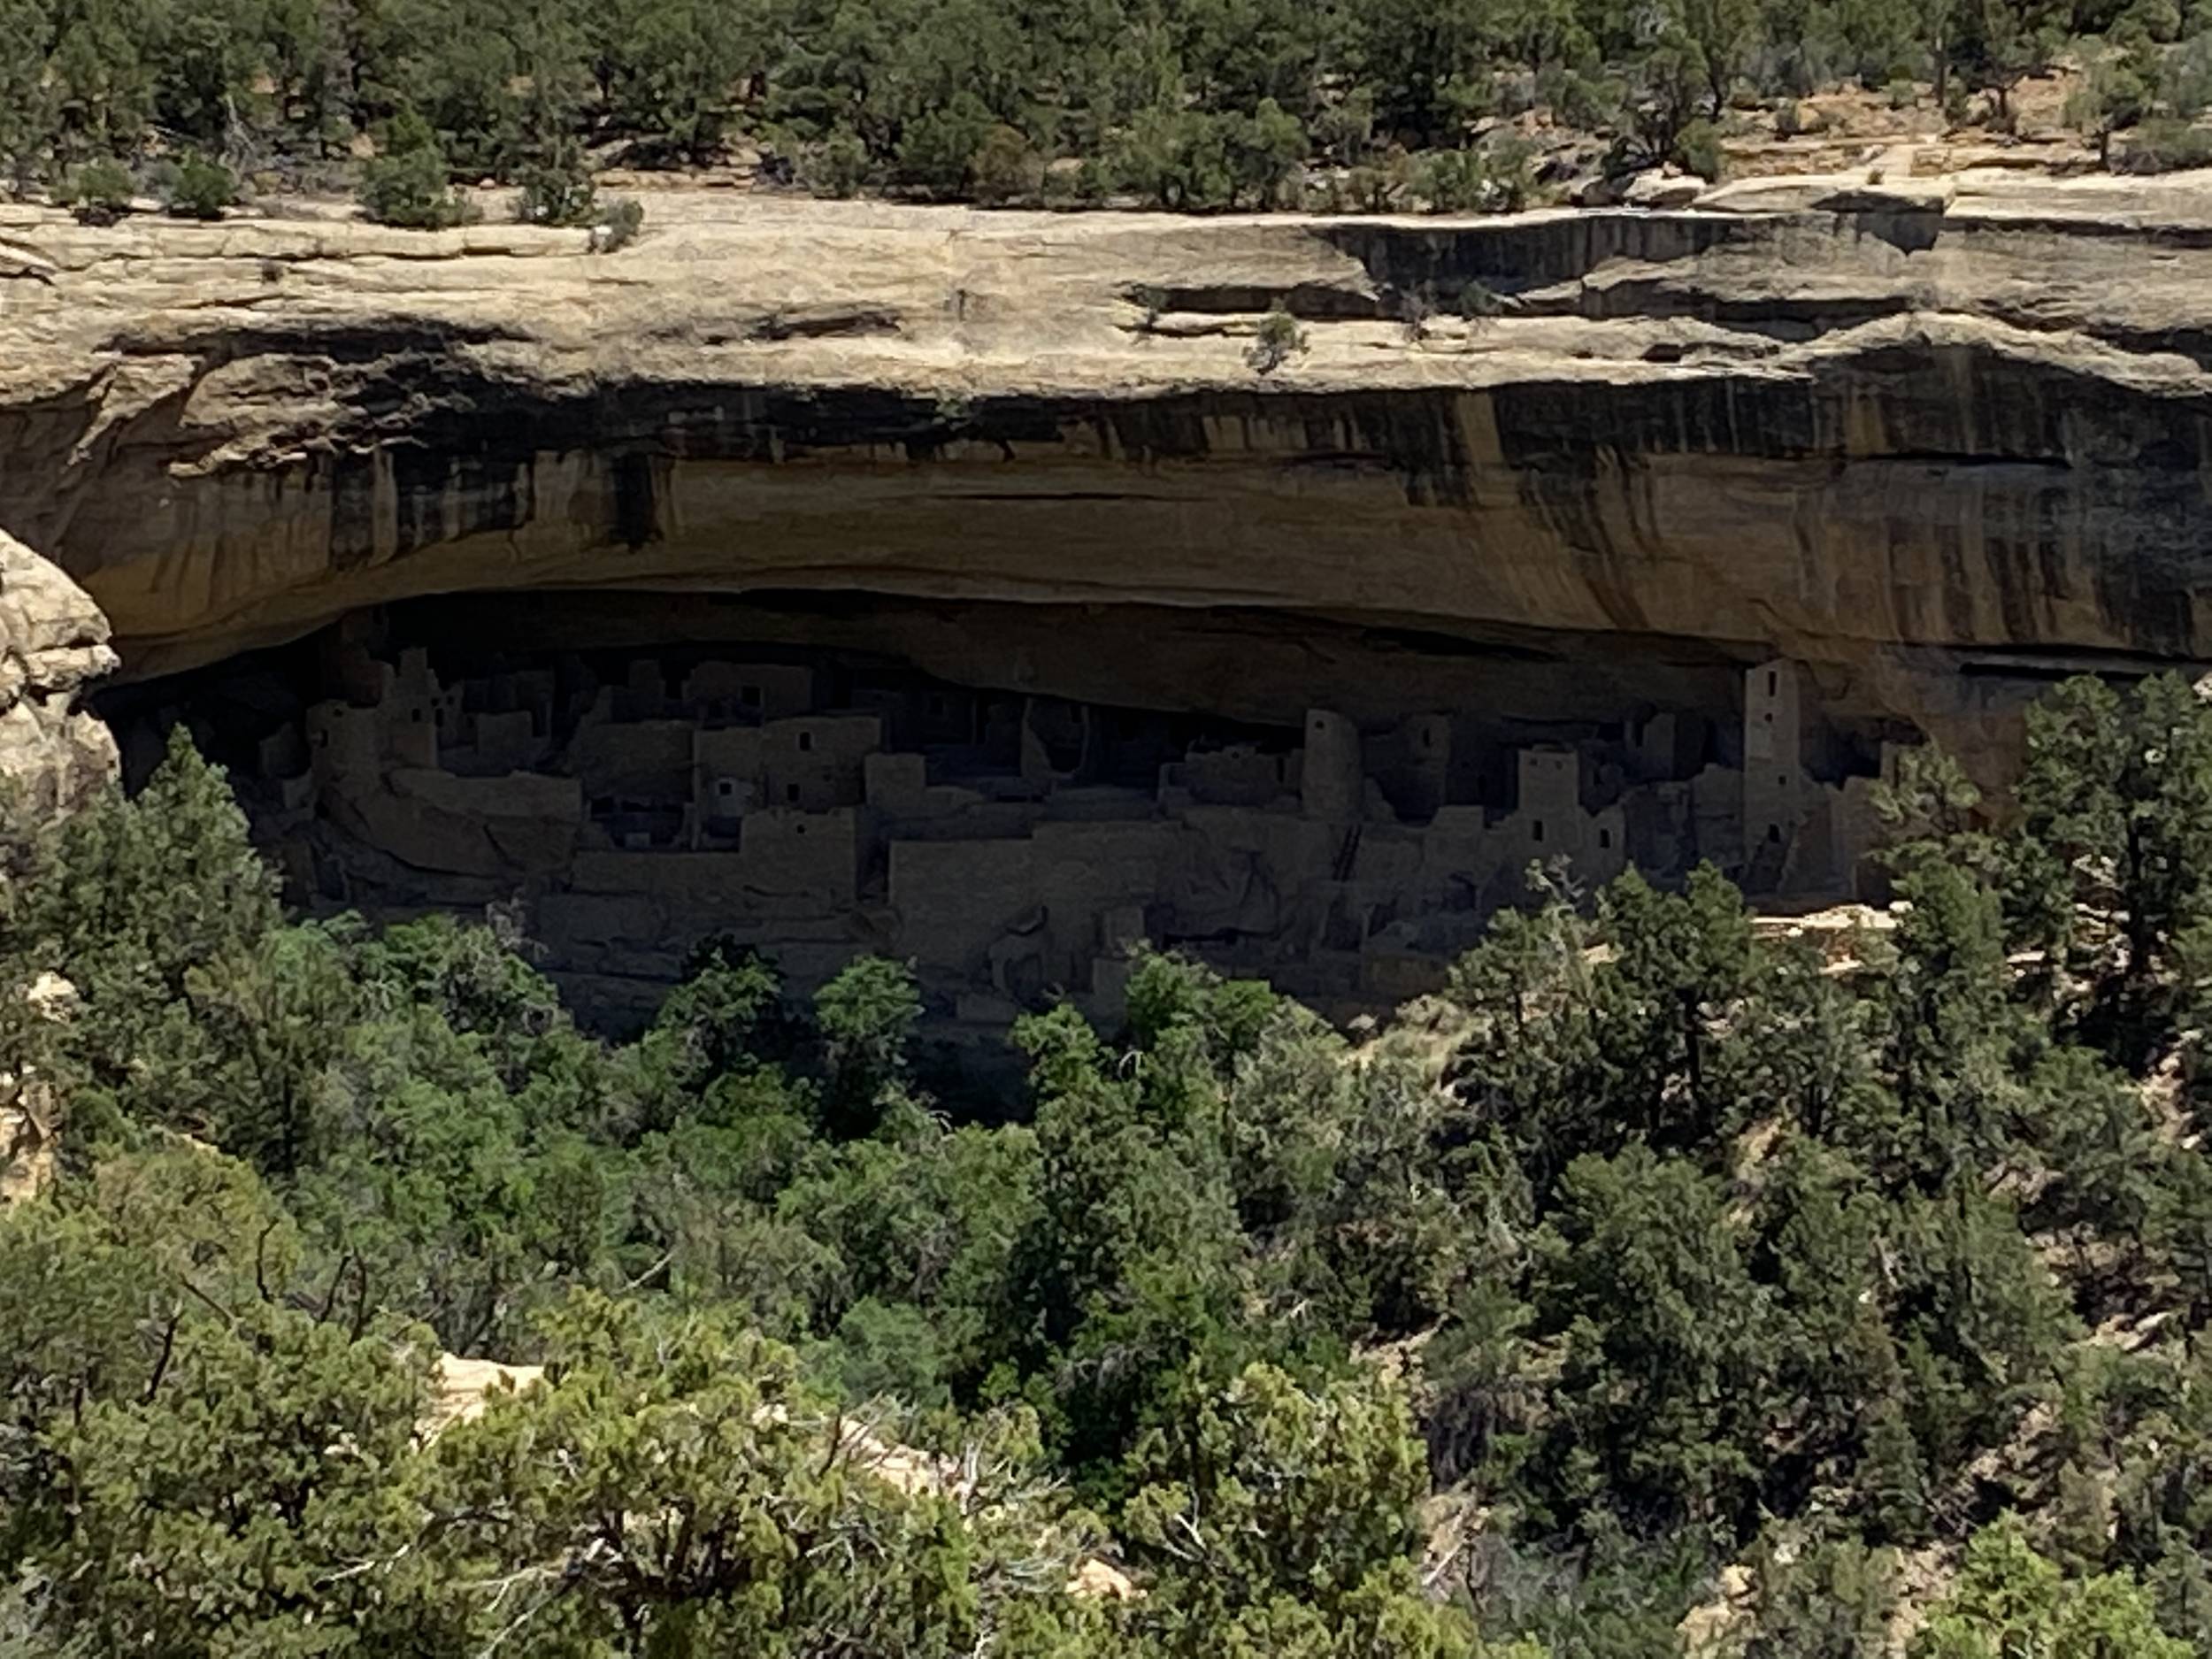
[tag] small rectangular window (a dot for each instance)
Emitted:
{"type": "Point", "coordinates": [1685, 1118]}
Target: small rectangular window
{"type": "Point", "coordinates": [1536, 831]}
{"type": "Point", "coordinates": [806, 741]}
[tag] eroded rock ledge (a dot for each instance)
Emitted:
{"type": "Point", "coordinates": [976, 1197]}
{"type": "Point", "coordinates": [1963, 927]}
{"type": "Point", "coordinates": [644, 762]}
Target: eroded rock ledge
{"type": "Point", "coordinates": [1917, 449]}
{"type": "Point", "coordinates": [1884, 433]}
{"type": "Point", "coordinates": [53, 645]}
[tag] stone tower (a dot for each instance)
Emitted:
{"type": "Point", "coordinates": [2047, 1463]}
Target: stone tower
{"type": "Point", "coordinates": [1332, 783]}
{"type": "Point", "coordinates": [1773, 755]}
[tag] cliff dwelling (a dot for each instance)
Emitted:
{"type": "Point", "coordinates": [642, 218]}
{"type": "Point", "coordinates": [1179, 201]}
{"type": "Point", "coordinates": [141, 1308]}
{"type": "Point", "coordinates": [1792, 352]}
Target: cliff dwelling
{"type": "Point", "coordinates": [884, 831]}
{"type": "Point", "coordinates": [952, 586]}
{"type": "Point", "coordinates": [1338, 809]}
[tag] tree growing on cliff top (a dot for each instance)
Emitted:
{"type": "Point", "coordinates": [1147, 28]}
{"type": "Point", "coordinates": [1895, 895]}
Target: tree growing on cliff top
{"type": "Point", "coordinates": [2116, 92]}
{"type": "Point", "coordinates": [556, 187]}
{"type": "Point", "coordinates": [1999, 43]}
{"type": "Point", "coordinates": [195, 186]}
{"type": "Point", "coordinates": [408, 184]}
{"type": "Point", "coordinates": [100, 192]}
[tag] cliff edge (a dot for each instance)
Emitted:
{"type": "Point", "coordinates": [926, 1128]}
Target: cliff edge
{"type": "Point", "coordinates": [53, 645]}
{"type": "Point", "coordinates": [1938, 439]}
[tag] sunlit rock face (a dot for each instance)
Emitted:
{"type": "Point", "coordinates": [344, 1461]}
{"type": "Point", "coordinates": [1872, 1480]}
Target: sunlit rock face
{"type": "Point", "coordinates": [1867, 439]}
{"type": "Point", "coordinates": [53, 645]}
{"type": "Point", "coordinates": [1544, 479]}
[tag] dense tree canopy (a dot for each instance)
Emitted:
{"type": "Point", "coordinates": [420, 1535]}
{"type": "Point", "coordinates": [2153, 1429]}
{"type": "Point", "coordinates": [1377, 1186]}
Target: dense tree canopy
{"type": "Point", "coordinates": [1656, 1244]}
{"type": "Point", "coordinates": [1197, 103]}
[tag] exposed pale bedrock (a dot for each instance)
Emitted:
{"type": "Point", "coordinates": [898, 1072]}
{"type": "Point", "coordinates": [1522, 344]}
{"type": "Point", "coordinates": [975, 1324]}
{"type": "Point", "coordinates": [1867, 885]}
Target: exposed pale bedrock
{"type": "Point", "coordinates": [1853, 437]}
{"type": "Point", "coordinates": [1927, 445]}
{"type": "Point", "coordinates": [53, 647]}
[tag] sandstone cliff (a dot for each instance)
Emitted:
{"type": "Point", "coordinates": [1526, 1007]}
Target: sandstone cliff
{"type": "Point", "coordinates": [1892, 431]}
{"type": "Point", "coordinates": [53, 754]}
{"type": "Point", "coordinates": [53, 644]}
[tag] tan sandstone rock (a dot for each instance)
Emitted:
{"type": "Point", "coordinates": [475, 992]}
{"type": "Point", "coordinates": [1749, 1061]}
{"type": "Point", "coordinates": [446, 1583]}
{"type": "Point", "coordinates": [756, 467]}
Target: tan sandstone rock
{"type": "Point", "coordinates": [1893, 430]}
{"type": "Point", "coordinates": [465, 1386]}
{"type": "Point", "coordinates": [53, 644]}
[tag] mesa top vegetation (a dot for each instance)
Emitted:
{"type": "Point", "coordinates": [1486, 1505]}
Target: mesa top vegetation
{"type": "Point", "coordinates": [1202, 104]}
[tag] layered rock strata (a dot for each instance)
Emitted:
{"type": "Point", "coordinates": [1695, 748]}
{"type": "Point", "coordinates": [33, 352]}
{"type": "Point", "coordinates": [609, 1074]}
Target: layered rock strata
{"type": "Point", "coordinates": [53, 645]}
{"type": "Point", "coordinates": [1891, 432]}
{"type": "Point", "coordinates": [1545, 484]}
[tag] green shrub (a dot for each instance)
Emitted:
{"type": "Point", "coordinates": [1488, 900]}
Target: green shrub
{"type": "Point", "coordinates": [1063, 186]}
{"type": "Point", "coordinates": [1495, 179]}
{"type": "Point", "coordinates": [2009, 1600]}
{"type": "Point", "coordinates": [1005, 166]}
{"type": "Point", "coordinates": [1278, 340]}
{"type": "Point", "coordinates": [1186, 160]}
{"type": "Point", "coordinates": [1174, 158]}
{"type": "Point", "coordinates": [557, 189]}
{"type": "Point", "coordinates": [408, 184]}
{"type": "Point", "coordinates": [619, 223]}
{"type": "Point", "coordinates": [1451, 181]}
{"type": "Point", "coordinates": [2165, 146]}
{"type": "Point", "coordinates": [100, 192]}
{"type": "Point", "coordinates": [837, 166]}
{"type": "Point", "coordinates": [196, 186]}
{"type": "Point", "coordinates": [1478, 302]}
{"type": "Point", "coordinates": [1584, 103]}
{"type": "Point", "coordinates": [1344, 130]}
{"type": "Point", "coordinates": [1697, 150]}
{"type": "Point", "coordinates": [1414, 307]}
{"type": "Point", "coordinates": [937, 151]}
{"type": "Point", "coordinates": [1380, 190]}
{"type": "Point", "coordinates": [2185, 78]}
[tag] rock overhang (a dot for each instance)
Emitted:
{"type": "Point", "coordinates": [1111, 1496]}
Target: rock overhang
{"type": "Point", "coordinates": [1793, 428]}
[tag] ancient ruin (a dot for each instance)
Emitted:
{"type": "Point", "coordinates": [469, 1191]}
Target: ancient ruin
{"type": "Point", "coordinates": [859, 577]}
{"type": "Point", "coordinates": [625, 803]}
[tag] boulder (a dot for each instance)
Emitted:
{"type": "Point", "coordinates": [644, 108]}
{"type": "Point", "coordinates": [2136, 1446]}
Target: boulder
{"type": "Point", "coordinates": [53, 645]}
{"type": "Point", "coordinates": [1663, 191]}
